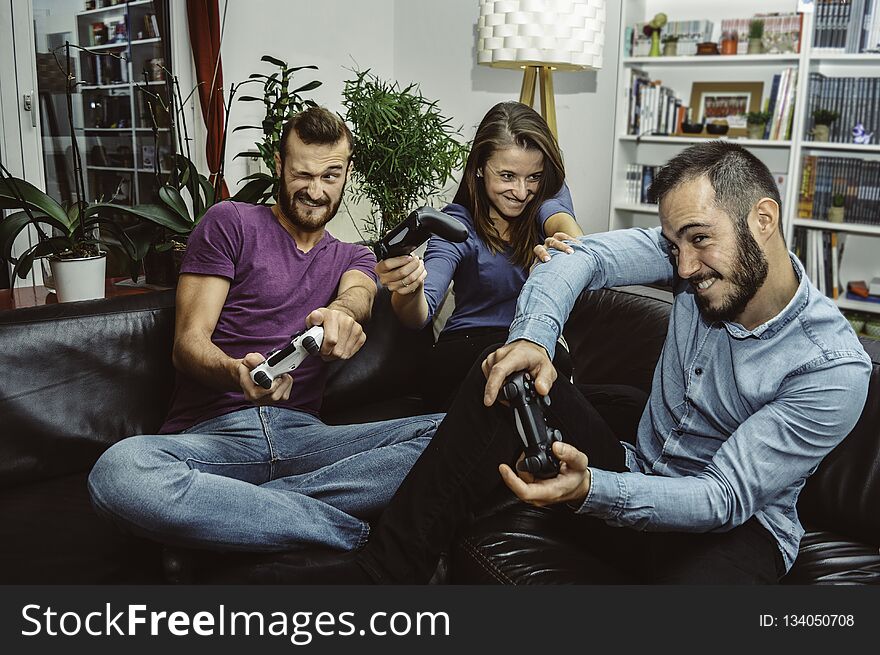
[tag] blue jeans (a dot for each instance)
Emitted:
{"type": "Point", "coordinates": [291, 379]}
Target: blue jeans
{"type": "Point", "coordinates": [259, 479]}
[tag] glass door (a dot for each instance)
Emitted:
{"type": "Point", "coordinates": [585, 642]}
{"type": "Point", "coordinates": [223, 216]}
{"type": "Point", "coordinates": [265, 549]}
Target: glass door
{"type": "Point", "coordinates": [116, 110]}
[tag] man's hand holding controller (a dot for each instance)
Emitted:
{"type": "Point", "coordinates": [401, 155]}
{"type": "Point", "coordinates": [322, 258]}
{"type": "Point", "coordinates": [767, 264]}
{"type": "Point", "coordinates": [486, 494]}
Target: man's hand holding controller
{"type": "Point", "coordinates": [288, 358]}
{"type": "Point", "coordinates": [572, 483]}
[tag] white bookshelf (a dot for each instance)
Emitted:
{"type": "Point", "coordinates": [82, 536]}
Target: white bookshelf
{"type": "Point", "coordinates": [125, 132]}
{"type": "Point", "coordinates": [781, 156]}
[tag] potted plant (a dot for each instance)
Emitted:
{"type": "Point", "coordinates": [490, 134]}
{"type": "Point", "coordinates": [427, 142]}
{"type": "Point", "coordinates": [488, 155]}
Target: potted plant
{"type": "Point", "coordinates": [756, 123]}
{"type": "Point", "coordinates": [836, 210]}
{"type": "Point", "coordinates": [75, 237]}
{"type": "Point", "coordinates": [756, 36]}
{"type": "Point", "coordinates": [404, 149]}
{"type": "Point", "coordinates": [670, 45]}
{"type": "Point", "coordinates": [281, 103]}
{"type": "Point", "coordinates": [652, 29]}
{"type": "Point", "coordinates": [822, 119]}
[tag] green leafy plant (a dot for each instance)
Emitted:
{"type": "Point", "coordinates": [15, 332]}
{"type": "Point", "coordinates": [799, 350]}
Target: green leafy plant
{"type": "Point", "coordinates": [281, 103]}
{"type": "Point", "coordinates": [758, 117]}
{"type": "Point", "coordinates": [405, 150]}
{"type": "Point", "coordinates": [670, 38]}
{"type": "Point", "coordinates": [838, 200]}
{"type": "Point", "coordinates": [756, 28]}
{"type": "Point", "coordinates": [81, 228]}
{"type": "Point", "coordinates": [824, 116]}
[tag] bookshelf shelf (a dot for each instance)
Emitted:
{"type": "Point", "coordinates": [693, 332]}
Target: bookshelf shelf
{"type": "Point", "coordinates": [108, 46]}
{"type": "Point", "coordinates": [847, 58]}
{"type": "Point", "coordinates": [117, 7]}
{"type": "Point", "coordinates": [846, 147]}
{"type": "Point", "coordinates": [858, 305]}
{"type": "Point", "coordinates": [852, 228]}
{"type": "Point", "coordinates": [637, 208]}
{"type": "Point", "coordinates": [685, 140]}
{"type": "Point", "coordinates": [691, 60]}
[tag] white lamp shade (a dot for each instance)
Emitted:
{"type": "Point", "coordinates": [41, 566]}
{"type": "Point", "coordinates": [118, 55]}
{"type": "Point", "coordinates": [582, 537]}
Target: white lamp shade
{"type": "Point", "coordinates": [564, 34]}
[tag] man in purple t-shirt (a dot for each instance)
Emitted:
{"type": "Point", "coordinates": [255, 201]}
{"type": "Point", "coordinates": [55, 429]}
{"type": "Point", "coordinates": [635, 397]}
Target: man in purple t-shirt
{"type": "Point", "coordinates": [236, 466]}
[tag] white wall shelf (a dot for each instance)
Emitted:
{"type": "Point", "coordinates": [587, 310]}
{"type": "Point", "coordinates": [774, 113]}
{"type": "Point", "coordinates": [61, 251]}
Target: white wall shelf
{"type": "Point", "coordinates": [852, 228]}
{"type": "Point", "coordinates": [712, 60]}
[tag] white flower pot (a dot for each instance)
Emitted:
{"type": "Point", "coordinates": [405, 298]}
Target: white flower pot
{"type": "Point", "coordinates": [79, 279]}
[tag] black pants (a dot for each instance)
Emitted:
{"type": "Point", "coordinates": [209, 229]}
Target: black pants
{"type": "Point", "coordinates": [453, 355]}
{"type": "Point", "coordinates": [459, 470]}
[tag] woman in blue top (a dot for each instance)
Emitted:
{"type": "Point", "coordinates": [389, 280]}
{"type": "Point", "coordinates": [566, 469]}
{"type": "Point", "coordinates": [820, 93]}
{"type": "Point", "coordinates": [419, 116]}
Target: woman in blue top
{"type": "Point", "coordinates": [512, 195]}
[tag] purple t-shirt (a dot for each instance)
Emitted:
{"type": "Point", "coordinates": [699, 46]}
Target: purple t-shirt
{"type": "Point", "coordinates": [273, 287]}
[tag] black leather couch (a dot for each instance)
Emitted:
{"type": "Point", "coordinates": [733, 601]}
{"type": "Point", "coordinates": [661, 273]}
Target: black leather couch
{"type": "Point", "coordinates": [77, 377]}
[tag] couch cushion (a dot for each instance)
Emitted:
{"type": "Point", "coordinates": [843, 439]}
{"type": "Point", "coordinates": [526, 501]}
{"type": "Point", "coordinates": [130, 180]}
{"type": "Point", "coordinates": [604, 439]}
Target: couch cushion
{"type": "Point", "coordinates": [828, 558]}
{"type": "Point", "coordinates": [79, 376]}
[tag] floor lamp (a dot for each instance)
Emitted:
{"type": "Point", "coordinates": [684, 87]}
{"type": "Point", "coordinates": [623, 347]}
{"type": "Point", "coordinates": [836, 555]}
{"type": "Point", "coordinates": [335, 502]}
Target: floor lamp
{"type": "Point", "coordinates": [540, 36]}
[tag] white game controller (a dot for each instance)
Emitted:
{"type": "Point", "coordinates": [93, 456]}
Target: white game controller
{"type": "Point", "coordinates": [282, 361]}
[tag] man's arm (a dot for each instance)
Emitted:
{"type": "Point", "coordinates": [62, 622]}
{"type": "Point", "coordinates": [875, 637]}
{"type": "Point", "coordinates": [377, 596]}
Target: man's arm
{"type": "Point", "coordinates": [342, 318]}
{"type": "Point", "coordinates": [621, 257]}
{"type": "Point", "coordinates": [773, 449]}
{"type": "Point", "coordinates": [200, 300]}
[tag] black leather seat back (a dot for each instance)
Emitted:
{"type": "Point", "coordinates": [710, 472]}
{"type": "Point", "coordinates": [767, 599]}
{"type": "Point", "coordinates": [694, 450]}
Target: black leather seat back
{"type": "Point", "coordinates": [387, 367]}
{"type": "Point", "coordinates": [843, 495]}
{"type": "Point", "coordinates": [77, 377]}
{"type": "Point", "coordinates": [616, 335]}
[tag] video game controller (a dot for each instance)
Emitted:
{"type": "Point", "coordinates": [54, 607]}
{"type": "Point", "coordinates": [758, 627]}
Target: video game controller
{"type": "Point", "coordinates": [418, 228]}
{"type": "Point", "coordinates": [538, 437]}
{"type": "Point", "coordinates": [286, 359]}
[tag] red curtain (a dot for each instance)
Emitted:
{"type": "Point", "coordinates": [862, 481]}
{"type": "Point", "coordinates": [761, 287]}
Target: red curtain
{"type": "Point", "coordinates": [204, 35]}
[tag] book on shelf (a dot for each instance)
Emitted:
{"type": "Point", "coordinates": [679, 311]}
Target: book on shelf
{"type": "Point", "coordinates": [151, 26]}
{"type": "Point", "coordinates": [855, 99]}
{"type": "Point", "coordinates": [851, 26]}
{"type": "Point", "coordinates": [638, 181]}
{"type": "Point", "coordinates": [856, 179]}
{"type": "Point", "coordinates": [651, 107]}
{"type": "Point", "coordinates": [820, 254]}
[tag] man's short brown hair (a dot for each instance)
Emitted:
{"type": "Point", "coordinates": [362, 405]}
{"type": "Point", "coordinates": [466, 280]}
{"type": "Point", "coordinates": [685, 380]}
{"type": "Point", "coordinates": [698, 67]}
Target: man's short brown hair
{"type": "Point", "coordinates": [315, 125]}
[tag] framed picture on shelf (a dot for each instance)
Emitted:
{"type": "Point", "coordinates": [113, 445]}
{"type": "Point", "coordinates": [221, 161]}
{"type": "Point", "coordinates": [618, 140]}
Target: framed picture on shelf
{"type": "Point", "coordinates": [729, 101]}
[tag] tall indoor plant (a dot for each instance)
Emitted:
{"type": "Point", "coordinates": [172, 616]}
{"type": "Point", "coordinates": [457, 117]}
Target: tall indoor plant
{"type": "Point", "coordinates": [280, 104]}
{"type": "Point", "coordinates": [405, 150]}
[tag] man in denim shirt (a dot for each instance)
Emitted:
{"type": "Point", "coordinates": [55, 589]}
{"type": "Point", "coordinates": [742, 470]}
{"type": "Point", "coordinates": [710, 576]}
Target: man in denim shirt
{"type": "Point", "coordinates": [760, 377]}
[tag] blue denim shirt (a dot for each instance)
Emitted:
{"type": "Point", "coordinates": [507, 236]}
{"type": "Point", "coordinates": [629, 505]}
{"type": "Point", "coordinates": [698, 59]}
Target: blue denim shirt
{"type": "Point", "coordinates": [737, 419]}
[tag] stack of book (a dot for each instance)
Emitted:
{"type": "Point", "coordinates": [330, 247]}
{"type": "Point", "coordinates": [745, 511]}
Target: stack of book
{"type": "Point", "coordinates": [847, 26]}
{"type": "Point", "coordinates": [638, 180]}
{"type": "Point", "coordinates": [857, 180]}
{"type": "Point", "coordinates": [652, 108]}
{"type": "Point", "coordinates": [781, 105]}
{"type": "Point", "coordinates": [854, 99]}
{"type": "Point", "coordinates": [820, 252]}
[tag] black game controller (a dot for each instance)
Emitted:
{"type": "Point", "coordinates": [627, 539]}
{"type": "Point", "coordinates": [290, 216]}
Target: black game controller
{"type": "Point", "coordinates": [418, 228]}
{"type": "Point", "coordinates": [538, 437]}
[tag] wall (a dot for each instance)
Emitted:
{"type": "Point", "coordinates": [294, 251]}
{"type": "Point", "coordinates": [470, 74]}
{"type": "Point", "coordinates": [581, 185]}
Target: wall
{"type": "Point", "coordinates": [334, 35]}
{"type": "Point", "coordinates": [435, 44]}
{"type": "Point", "coordinates": [429, 42]}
